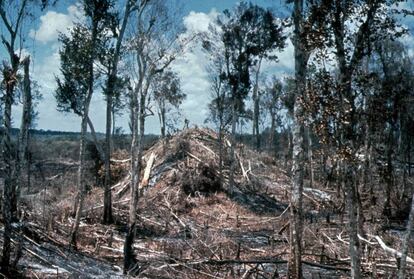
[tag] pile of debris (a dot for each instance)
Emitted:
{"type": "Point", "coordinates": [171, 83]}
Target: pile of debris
{"type": "Point", "coordinates": [193, 225]}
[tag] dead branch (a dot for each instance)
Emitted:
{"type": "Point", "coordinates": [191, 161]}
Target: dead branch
{"type": "Point", "coordinates": [391, 251]}
{"type": "Point", "coordinates": [147, 172]}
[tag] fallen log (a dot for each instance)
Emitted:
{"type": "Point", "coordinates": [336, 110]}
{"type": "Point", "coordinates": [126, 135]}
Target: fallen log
{"type": "Point", "coordinates": [257, 261]}
{"type": "Point", "coordinates": [391, 251]}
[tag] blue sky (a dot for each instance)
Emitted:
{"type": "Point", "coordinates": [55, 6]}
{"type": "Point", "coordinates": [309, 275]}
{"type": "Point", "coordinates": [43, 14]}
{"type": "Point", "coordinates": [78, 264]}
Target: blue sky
{"type": "Point", "coordinates": [43, 46]}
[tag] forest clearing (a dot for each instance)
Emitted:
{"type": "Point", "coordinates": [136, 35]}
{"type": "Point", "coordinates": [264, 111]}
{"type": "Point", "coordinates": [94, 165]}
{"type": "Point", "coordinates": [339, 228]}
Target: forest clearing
{"type": "Point", "coordinates": [192, 227]}
{"type": "Point", "coordinates": [207, 139]}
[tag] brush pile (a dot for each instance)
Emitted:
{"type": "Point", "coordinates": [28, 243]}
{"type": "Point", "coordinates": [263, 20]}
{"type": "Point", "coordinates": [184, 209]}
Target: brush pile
{"type": "Point", "coordinates": [193, 226]}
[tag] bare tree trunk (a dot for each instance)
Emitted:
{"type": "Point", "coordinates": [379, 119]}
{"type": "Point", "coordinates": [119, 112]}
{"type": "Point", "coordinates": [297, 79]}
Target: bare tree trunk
{"type": "Point", "coordinates": [409, 158]}
{"type": "Point", "coordinates": [138, 149]}
{"type": "Point", "coordinates": [309, 155]}
{"type": "Point", "coordinates": [220, 142]}
{"type": "Point", "coordinates": [296, 217]}
{"type": "Point", "coordinates": [406, 241]}
{"type": "Point", "coordinates": [107, 215]}
{"type": "Point", "coordinates": [81, 183]}
{"type": "Point", "coordinates": [129, 239]}
{"type": "Point", "coordinates": [256, 107]}
{"type": "Point", "coordinates": [351, 195]}
{"type": "Point", "coordinates": [113, 127]}
{"type": "Point", "coordinates": [389, 175]}
{"type": "Point", "coordinates": [28, 166]}
{"type": "Point", "coordinates": [101, 152]}
{"type": "Point", "coordinates": [232, 147]}
{"type": "Point", "coordinates": [8, 180]}
{"type": "Point", "coordinates": [272, 135]}
{"type": "Point", "coordinates": [162, 120]}
{"type": "Point", "coordinates": [24, 127]}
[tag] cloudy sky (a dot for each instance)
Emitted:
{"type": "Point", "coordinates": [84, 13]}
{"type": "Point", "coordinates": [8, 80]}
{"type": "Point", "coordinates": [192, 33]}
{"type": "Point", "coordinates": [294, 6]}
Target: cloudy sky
{"type": "Point", "coordinates": [43, 46]}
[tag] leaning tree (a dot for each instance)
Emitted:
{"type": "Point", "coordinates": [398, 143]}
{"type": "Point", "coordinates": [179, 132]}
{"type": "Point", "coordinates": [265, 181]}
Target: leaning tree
{"type": "Point", "coordinates": [78, 55]}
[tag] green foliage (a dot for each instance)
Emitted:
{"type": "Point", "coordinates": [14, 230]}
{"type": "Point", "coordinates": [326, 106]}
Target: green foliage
{"type": "Point", "coordinates": [242, 37]}
{"type": "Point", "coordinates": [79, 50]}
{"type": "Point", "coordinates": [73, 85]}
{"type": "Point", "coordinates": [167, 89]}
{"type": "Point", "coordinates": [249, 32]}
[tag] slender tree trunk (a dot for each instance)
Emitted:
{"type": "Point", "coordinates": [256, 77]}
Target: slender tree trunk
{"type": "Point", "coordinates": [8, 180]}
{"type": "Point", "coordinates": [9, 82]}
{"type": "Point", "coordinates": [406, 241]}
{"type": "Point", "coordinates": [220, 142]}
{"type": "Point", "coordinates": [113, 127]}
{"type": "Point", "coordinates": [98, 146]}
{"type": "Point", "coordinates": [28, 166]}
{"type": "Point", "coordinates": [272, 140]}
{"type": "Point", "coordinates": [309, 156]}
{"type": "Point", "coordinates": [347, 138]}
{"type": "Point", "coordinates": [296, 217]}
{"type": "Point", "coordinates": [129, 239]}
{"type": "Point", "coordinates": [24, 128]}
{"type": "Point", "coordinates": [110, 87]}
{"type": "Point", "coordinates": [409, 157]}
{"type": "Point", "coordinates": [138, 149]}
{"type": "Point", "coordinates": [406, 186]}
{"type": "Point", "coordinates": [107, 215]}
{"type": "Point", "coordinates": [351, 195]}
{"type": "Point", "coordinates": [256, 107]}
{"type": "Point", "coordinates": [232, 147]}
{"type": "Point", "coordinates": [349, 173]}
{"type": "Point", "coordinates": [81, 183]}
{"type": "Point", "coordinates": [82, 146]}
{"type": "Point", "coordinates": [9, 190]}
{"type": "Point", "coordinates": [388, 176]}
{"type": "Point", "coordinates": [162, 118]}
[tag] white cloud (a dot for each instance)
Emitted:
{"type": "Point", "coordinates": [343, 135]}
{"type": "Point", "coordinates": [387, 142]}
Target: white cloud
{"type": "Point", "coordinates": [194, 76]}
{"type": "Point", "coordinates": [52, 23]}
{"type": "Point", "coordinates": [191, 69]}
{"type": "Point", "coordinates": [286, 60]}
{"type": "Point", "coordinates": [195, 84]}
{"type": "Point", "coordinates": [199, 22]}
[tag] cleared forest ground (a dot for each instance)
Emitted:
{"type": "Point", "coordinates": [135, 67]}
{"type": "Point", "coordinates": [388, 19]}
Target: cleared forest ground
{"type": "Point", "coordinates": [192, 227]}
